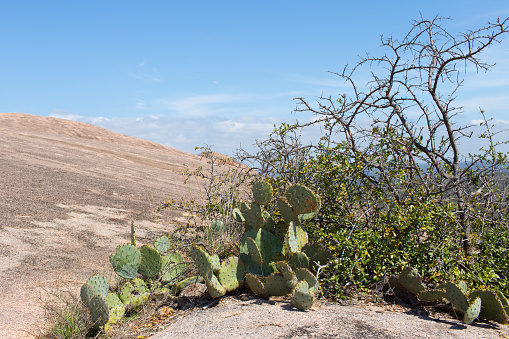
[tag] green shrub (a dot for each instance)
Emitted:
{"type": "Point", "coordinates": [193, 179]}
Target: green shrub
{"type": "Point", "coordinates": [396, 187]}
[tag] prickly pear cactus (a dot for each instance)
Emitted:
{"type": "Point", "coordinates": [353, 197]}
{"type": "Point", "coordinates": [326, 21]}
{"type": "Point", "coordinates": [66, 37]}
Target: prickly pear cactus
{"type": "Point", "coordinates": [256, 284]}
{"type": "Point", "coordinates": [162, 245]}
{"type": "Point", "coordinates": [173, 267]}
{"type": "Point", "coordinates": [262, 192]}
{"type": "Point", "coordinates": [217, 226]}
{"type": "Point", "coordinates": [480, 303]}
{"type": "Point", "coordinates": [105, 308]}
{"type": "Point", "coordinates": [303, 297]}
{"type": "Point", "coordinates": [277, 285]}
{"type": "Point", "coordinates": [136, 295]}
{"type": "Point", "coordinates": [177, 288]}
{"type": "Point", "coordinates": [99, 285]}
{"type": "Point", "coordinates": [230, 273]}
{"type": "Point", "coordinates": [431, 295]}
{"type": "Point", "coordinates": [411, 280]}
{"type": "Point", "coordinates": [456, 297]}
{"type": "Point", "coordinates": [317, 253]}
{"type": "Point", "coordinates": [258, 248]}
{"type": "Point", "coordinates": [126, 261]}
{"type": "Point", "coordinates": [98, 310]}
{"type": "Point", "coordinates": [151, 263]}
{"type": "Point", "coordinates": [116, 309]}
{"type": "Point", "coordinates": [272, 254]}
{"type": "Point", "coordinates": [504, 301]}
{"type": "Point", "coordinates": [303, 200]}
{"type": "Point", "coordinates": [491, 306]}
{"type": "Point", "coordinates": [473, 311]}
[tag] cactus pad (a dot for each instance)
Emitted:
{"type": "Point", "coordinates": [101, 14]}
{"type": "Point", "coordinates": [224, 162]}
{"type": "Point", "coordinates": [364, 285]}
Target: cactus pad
{"type": "Point", "coordinates": [115, 307]}
{"type": "Point", "coordinates": [504, 301]}
{"type": "Point", "coordinates": [135, 295]}
{"type": "Point", "coordinates": [456, 297]}
{"type": "Point", "coordinates": [215, 263]}
{"type": "Point", "coordinates": [431, 295]}
{"type": "Point", "coordinates": [217, 226]}
{"type": "Point", "coordinates": [99, 285]}
{"type": "Point", "coordinates": [305, 275]}
{"type": "Point", "coordinates": [303, 298]}
{"type": "Point", "coordinates": [262, 192]}
{"type": "Point", "coordinates": [462, 285]}
{"type": "Point", "coordinates": [253, 215]}
{"type": "Point", "coordinates": [86, 294]}
{"type": "Point", "coordinates": [237, 214]}
{"type": "Point", "coordinates": [317, 253]}
{"type": "Point", "coordinates": [268, 245]}
{"type": "Point", "coordinates": [291, 243]}
{"type": "Point", "coordinates": [491, 306]}
{"type": "Point", "coordinates": [203, 262]}
{"type": "Point", "coordinates": [411, 280]}
{"type": "Point", "coordinates": [214, 287]}
{"type": "Point", "coordinates": [472, 311]}
{"type": "Point", "coordinates": [186, 282]}
{"type": "Point", "coordinates": [150, 265]}
{"type": "Point", "coordinates": [302, 199]}
{"type": "Point", "coordinates": [287, 273]}
{"type": "Point", "coordinates": [254, 251]}
{"type": "Point", "coordinates": [173, 266]}
{"type": "Point", "coordinates": [256, 285]}
{"type": "Point", "coordinates": [99, 311]}
{"type": "Point", "coordinates": [286, 211]}
{"type": "Point", "coordinates": [299, 260]}
{"type": "Point", "coordinates": [126, 261]}
{"type": "Point", "coordinates": [231, 274]}
{"type": "Point", "coordinates": [162, 245]}
{"type": "Point", "coordinates": [277, 285]}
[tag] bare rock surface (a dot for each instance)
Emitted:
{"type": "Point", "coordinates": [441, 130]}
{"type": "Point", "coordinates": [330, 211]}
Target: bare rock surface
{"type": "Point", "coordinates": [68, 192]}
{"type": "Point", "coordinates": [258, 318]}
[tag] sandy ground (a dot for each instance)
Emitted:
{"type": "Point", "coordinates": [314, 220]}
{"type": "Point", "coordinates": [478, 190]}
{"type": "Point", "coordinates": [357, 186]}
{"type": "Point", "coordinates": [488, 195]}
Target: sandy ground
{"type": "Point", "coordinates": [68, 192]}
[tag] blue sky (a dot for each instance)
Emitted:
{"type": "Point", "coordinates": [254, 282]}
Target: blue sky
{"type": "Point", "coordinates": [222, 73]}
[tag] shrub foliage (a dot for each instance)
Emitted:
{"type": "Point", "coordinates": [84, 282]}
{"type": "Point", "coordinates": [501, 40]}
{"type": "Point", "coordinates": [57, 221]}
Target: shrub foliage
{"type": "Point", "coordinates": [396, 186]}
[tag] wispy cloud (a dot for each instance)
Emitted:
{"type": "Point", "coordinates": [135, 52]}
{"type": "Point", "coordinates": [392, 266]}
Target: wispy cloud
{"type": "Point", "coordinates": [494, 105]}
{"type": "Point", "coordinates": [147, 74]}
{"type": "Point", "coordinates": [495, 122]}
{"type": "Point", "coordinates": [200, 105]}
{"type": "Point", "coordinates": [66, 116]}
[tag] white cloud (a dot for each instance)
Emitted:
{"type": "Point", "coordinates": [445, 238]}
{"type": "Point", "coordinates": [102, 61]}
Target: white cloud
{"type": "Point", "coordinates": [140, 105]}
{"type": "Point", "coordinates": [493, 105]}
{"type": "Point", "coordinates": [230, 126]}
{"type": "Point", "coordinates": [148, 76]}
{"type": "Point", "coordinates": [200, 105]}
{"type": "Point", "coordinates": [496, 122]}
{"type": "Point", "coordinates": [67, 116]}
{"type": "Point", "coordinates": [185, 133]}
